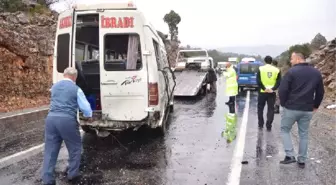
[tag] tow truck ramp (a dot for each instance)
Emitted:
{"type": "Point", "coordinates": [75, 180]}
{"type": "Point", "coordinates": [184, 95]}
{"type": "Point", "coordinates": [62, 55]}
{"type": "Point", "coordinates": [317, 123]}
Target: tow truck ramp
{"type": "Point", "coordinates": [189, 82]}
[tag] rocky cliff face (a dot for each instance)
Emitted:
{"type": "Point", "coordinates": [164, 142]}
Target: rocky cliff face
{"type": "Point", "coordinates": [26, 49]}
{"type": "Point", "coordinates": [325, 60]}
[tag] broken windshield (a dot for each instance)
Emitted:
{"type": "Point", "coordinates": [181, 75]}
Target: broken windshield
{"type": "Point", "coordinates": [190, 54]}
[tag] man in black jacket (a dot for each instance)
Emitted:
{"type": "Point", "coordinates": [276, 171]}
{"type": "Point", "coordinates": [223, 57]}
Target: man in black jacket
{"type": "Point", "coordinates": [277, 101]}
{"type": "Point", "coordinates": [211, 79]}
{"type": "Point", "coordinates": [301, 92]}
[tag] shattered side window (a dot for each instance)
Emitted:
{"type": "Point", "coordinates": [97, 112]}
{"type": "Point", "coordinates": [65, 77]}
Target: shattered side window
{"type": "Point", "coordinates": [93, 53]}
{"type": "Point", "coordinates": [127, 52]}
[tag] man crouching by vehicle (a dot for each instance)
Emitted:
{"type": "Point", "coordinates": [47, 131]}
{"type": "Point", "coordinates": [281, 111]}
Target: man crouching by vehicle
{"type": "Point", "coordinates": [61, 124]}
{"type": "Point", "coordinates": [212, 80]}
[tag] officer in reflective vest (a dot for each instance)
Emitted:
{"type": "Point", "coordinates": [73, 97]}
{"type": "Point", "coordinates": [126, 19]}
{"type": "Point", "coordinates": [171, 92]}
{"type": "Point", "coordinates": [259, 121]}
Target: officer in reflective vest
{"type": "Point", "coordinates": [231, 83]}
{"type": "Point", "coordinates": [268, 79]}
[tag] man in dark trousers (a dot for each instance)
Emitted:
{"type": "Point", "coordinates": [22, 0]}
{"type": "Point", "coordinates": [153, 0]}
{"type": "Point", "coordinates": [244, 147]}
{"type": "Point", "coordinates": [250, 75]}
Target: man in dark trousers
{"type": "Point", "coordinates": [277, 100]}
{"type": "Point", "coordinates": [61, 124]}
{"type": "Point", "coordinates": [268, 79]}
{"type": "Point", "coordinates": [301, 92]}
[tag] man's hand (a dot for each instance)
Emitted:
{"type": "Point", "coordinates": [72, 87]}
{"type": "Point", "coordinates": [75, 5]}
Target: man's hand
{"type": "Point", "coordinates": [315, 109]}
{"type": "Point", "coordinates": [90, 120]}
{"type": "Point", "coordinates": [268, 90]}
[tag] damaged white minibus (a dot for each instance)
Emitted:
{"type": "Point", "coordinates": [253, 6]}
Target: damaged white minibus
{"type": "Point", "coordinates": [122, 66]}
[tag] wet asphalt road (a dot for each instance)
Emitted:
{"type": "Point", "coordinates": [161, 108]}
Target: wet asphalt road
{"type": "Point", "coordinates": [193, 152]}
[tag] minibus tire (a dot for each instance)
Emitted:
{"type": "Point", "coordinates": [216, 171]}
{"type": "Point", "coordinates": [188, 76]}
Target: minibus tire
{"type": "Point", "coordinates": [162, 130]}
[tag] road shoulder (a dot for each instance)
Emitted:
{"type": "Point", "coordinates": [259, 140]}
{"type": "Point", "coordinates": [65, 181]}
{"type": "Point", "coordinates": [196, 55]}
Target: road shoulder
{"type": "Point", "coordinates": [21, 130]}
{"type": "Point", "coordinates": [264, 150]}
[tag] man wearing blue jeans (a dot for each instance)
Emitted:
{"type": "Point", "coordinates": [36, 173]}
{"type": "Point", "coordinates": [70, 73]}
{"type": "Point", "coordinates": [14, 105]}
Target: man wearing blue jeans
{"type": "Point", "coordinates": [301, 92]}
{"type": "Point", "coordinates": [61, 124]}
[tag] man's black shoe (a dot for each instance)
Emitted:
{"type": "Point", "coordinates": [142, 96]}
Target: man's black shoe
{"type": "Point", "coordinates": [276, 109]}
{"type": "Point", "coordinates": [288, 160]}
{"type": "Point", "coordinates": [50, 184]}
{"type": "Point", "coordinates": [269, 128]}
{"type": "Point", "coordinates": [301, 165]}
{"type": "Point", "coordinates": [261, 125]}
{"type": "Point", "coordinates": [269, 124]}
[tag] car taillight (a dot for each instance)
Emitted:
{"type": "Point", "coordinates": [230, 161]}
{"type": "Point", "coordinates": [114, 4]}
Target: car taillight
{"type": "Point", "coordinates": [153, 94]}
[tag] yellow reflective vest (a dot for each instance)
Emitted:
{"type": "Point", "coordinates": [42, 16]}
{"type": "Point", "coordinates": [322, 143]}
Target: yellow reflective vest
{"type": "Point", "coordinates": [231, 82]}
{"type": "Point", "coordinates": [268, 76]}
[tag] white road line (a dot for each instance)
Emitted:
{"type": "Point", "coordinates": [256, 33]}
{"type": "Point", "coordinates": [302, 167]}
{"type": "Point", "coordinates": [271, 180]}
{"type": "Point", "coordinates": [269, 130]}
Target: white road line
{"type": "Point", "coordinates": [236, 166]}
{"type": "Point", "coordinates": [17, 157]}
{"type": "Point", "coordinates": [9, 160]}
{"type": "Point", "coordinates": [23, 113]}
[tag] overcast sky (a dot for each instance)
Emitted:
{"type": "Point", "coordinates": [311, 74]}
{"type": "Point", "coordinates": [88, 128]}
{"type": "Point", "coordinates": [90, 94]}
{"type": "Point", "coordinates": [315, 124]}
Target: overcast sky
{"type": "Point", "coordinates": [220, 23]}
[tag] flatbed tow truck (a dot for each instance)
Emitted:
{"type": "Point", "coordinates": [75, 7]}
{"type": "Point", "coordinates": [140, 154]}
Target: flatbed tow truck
{"type": "Point", "coordinates": [191, 72]}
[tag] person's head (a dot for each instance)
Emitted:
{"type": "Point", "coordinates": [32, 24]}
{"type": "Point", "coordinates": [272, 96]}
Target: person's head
{"type": "Point", "coordinates": [297, 58]}
{"type": "Point", "coordinates": [70, 73]}
{"type": "Point", "coordinates": [268, 60]}
{"type": "Point", "coordinates": [275, 63]}
{"type": "Point", "coordinates": [228, 64]}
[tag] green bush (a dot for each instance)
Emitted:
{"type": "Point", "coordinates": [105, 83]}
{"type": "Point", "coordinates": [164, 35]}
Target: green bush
{"type": "Point", "coordinates": [38, 9]}
{"type": "Point", "coordinates": [11, 6]}
{"type": "Point", "coordinates": [284, 58]}
{"type": "Point", "coordinates": [304, 49]}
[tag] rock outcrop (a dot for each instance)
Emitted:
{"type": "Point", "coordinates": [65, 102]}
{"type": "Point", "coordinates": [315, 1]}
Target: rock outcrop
{"type": "Point", "coordinates": [325, 60]}
{"type": "Point", "coordinates": [26, 52]}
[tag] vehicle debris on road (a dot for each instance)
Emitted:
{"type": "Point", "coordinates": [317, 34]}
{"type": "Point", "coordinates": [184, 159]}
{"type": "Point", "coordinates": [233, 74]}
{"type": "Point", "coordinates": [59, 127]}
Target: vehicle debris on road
{"type": "Point", "coordinates": [333, 106]}
{"type": "Point", "coordinates": [230, 127]}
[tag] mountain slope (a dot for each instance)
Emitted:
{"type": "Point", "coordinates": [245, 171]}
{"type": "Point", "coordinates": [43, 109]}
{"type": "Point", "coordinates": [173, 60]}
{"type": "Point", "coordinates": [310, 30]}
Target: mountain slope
{"type": "Point", "coordinates": [272, 50]}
